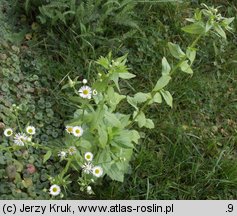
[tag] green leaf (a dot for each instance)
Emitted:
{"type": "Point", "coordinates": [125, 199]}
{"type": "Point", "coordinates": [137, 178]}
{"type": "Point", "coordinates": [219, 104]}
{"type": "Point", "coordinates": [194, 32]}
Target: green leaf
{"type": "Point", "coordinates": [2, 161]}
{"type": "Point", "coordinates": [167, 97]}
{"type": "Point", "coordinates": [124, 139]}
{"type": "Point", "coordinates": [103, 136]}
{"type": "Point", "coordinates": [113, 97]}
{"type": "Point", "coordinates": [111, 119]}
{"type": "Point", "coordinates": [227, 21]}
{"type": "Point", "coordinates": [157, 98]}
{"type": "Point", "coordinates": [141, 97]}
{"type": "Point", "coordinates": [208, 26]}
{"type": "Point", "coordinates": [135, 136]}
{"type": "Point", "coordinates": [103, 62]}
{"type": "Point", "coordinates": [27, 6]}
{"type": "Point", "coordinates": [103, 157]}
{"type": "Point", "coordinates": [115, 174]}
{"type": "Point", "coordinates": [76, 99]}
{"type": "Point", "coordinates": [140, 119]}
{"type": "Point", "coordinates": [132, 102]}
{"type": "Point", "coordinates": [83, 144]}
{"type": "Point", "coordinates": [165, 67]}
{"type": "Point", "coordinates": [47, 156]}
{"type": "Point", "coordinates": [97, 117]}
{"type": "Point", "coordinates": [176, 51]}
{"type": "Point", "coordinates": [185, 67]}
{"type": "Point", "coordinates": [122, 59]}
{"type": "Point", "coordinates": [126, 75]}
{"type": "Point", "coordinates": [149, 124]}
{"type": "Point", "coordinates": [191, 54]}
{"type": "Point", "coordinates": [162, 82]}
{"type": "Point", "coordinates": [195, 28]}
{"type": "Point", "coordinates": [198, 14]}
{"type": "Point", "coordinates": [124, 119]}
{"type": "Point", "coordinates": [220, 31]}
{"type": "Point", "coordinates": [115, 78]}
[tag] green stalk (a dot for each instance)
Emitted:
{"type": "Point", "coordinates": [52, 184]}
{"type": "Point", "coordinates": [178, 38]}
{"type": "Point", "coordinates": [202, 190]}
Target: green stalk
{"type": "Point", "coordinates": [193, 44]}
{"type": "Point", "coordinates": [184, 58]}
{"type": "Point", "coordinates": [18, 122]}
{"type": "Point", "coordinates": [66, 168]}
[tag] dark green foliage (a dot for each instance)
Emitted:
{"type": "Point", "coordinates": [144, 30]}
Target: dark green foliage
{"type": "Point", "coordinates": [25, 84]}
{"type": "Point", "coordinates": [66, 27]}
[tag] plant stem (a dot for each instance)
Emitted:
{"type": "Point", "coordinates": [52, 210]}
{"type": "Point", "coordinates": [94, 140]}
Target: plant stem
{"type": "Point", "coordinates": [66, 167]}
{"type": "Point", "coordinates": [140, 110]}
{"type": "Point", "coordinates": [18, 123]}
{"type": "Point", "coordinates": [193, 44]}
{"type": "Point", "coordinates": [40, 146]}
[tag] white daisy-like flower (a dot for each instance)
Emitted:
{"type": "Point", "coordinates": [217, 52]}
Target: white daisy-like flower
{"type": "Point", "coordinates": [8, 132]}
{"type": "Point", "coordinates": [97, 171]}
{"type": "Point", "coordinates": [30, 130]}
{"type": "Point", "coordinates": [94, 92]}
{"type": "Point", "coordinates": [54, 190]}
{"type": "Point", "coordinates": [77, 131]}
{"type": "Point", "coordinates": [62, 154]}
{"type": "Point", "coordinates": [84, 81]}
{"type": "Point", "coordinates": [87, 168]}
{"type": "Point", "coordinates": [20, 138]}
{"type": "Point", "coordinates": [69, 129]}
{"type": "Point", "coordinates": [85, 92]}
{"type": "Point", "coordinates": [72, 150]}
{"type": "Point", "coordinates": [88, 156]}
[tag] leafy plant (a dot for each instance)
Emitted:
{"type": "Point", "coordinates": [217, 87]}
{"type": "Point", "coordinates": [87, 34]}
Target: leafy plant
{"type": "Point", "coordinates": [100, 139]}
{"type": "Point", "coordinates": [99, 129]}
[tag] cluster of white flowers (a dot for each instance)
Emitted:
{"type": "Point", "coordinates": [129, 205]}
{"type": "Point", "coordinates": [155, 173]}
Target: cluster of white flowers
{"type": "Point", "coordinates": [77, 131]}
{"type": "Point", "coordinates": [88, 167]}
{"type": "Point", "coordinates": [20, 138]}
{"type": "Point", "coordinates": [71, 151]}
{"type": "Point", "coordinates": [62, 154]}
{"type": "Point", "coordinates": [86, 91]}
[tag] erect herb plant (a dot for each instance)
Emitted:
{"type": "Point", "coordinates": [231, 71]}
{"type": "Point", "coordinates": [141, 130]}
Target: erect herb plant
{"type": "Point", "coordinates": [100, 140]}
{"type": "Point", "coordinates": [99, 130]}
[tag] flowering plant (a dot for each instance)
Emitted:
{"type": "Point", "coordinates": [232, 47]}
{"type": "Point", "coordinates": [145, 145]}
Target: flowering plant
{"type": "Point", "coordinates": [105, 138]}
{"type": "Point", "coordinates": [100, 139]}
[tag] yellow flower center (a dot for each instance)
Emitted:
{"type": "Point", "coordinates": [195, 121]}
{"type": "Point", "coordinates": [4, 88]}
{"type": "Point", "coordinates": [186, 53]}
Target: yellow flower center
{"type": "Point", "coordinates": [77, 131]}
{"type": "Point", "coordinates": [85, 92]}
{"type": "Point", "coordinates": [72, 150]}
{"type": "Point", "coordinates": [9, 132]}
{"type": "Point", "coordinates": [88, 157]}
{"type": "Point", "coordinates": [69, 130]}
{"type": "Point", "coordinates": [55, 189]}
{"type": "Point", "coordinates": [97, 171]}
{"type": "Point", "coordinates": [30, 130]}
